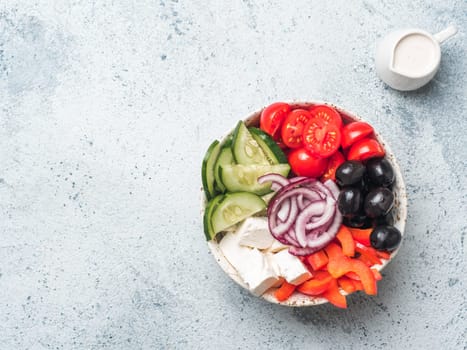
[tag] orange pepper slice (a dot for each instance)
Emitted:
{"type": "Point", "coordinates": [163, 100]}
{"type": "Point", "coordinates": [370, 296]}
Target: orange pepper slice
{"type": "Point", "coordinates": [284, 291]}
{"type": "Point", "coordinates": [341, 265]}
{"type": "Point", "coordinates": [346, 240]}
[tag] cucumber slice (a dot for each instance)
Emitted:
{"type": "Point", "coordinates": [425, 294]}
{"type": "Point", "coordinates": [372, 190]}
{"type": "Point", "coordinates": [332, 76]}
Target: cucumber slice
{"type": "Point", "coordinates": [245, 148]}
{"type": "Point", "coordinates": [239, 177]}
{"type": "Point", "coordinates": [233, 208]}
{"type": "Point", "coordinates": [273, 152]}
{"type": "Point", "coordinates": [207, 169]}
{"type": "Point", "coordinates": [212, 204]}
{"type": "Point", "coordinates": [267, 197]}
{"type": "Point", "coordinates": [225, 158]}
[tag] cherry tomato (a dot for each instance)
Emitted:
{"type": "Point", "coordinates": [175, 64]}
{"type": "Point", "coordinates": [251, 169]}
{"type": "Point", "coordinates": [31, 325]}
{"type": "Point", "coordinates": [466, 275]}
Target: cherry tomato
{"type": "Point", "coordinates": [321, 138]}
{"type": "Point", "coordinates": [334, 162]}
{"type": "Point", "coordinates": [305, 164]}
{"type": "Point", "coordinates": [292, 128]}
{"type": "Point", "coordinates": [329, 114]}
{"type": "Point", "coordinates": [365, 149]}
{"type": "Point", "coordinates": [355, 131]}
{"type": "Point", "coordinates": [272, 117]}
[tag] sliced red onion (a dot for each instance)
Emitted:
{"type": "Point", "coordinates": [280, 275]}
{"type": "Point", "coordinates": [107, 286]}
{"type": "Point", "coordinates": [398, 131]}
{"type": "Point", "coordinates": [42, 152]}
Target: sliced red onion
{"type": "Point", "coordinates": [298, 251]}
{"type": "Point", "coordinates": [314, 209]}
{"type": "Point", "coordinates": [283, 227]}
{"type": "Point", "coordinates": [327, 216]}
{"type": "Point", "coordinates": [278, 181]}
{"type": "Point", "coordinates": [297, 179]}
{"type": "Point", "coordinates": [332, 186]}
{"type": "Point", "coordinates": [329, 235]}
{"type": "Point", "coordinates": [284, 212]}
{"type": "Point", "coordinates": [275, 205]}
{"type": "Point", "coordinates": [303, 213]}
{"type": "Point", "coordinates": [290, 236]}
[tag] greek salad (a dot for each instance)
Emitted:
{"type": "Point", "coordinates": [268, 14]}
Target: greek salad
{"type": "Point", "coordinates": [301, 203]}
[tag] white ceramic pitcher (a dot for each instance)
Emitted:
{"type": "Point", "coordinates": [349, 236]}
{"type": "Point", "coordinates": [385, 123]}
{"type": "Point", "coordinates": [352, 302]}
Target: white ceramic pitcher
{"type": "Point", "coordinates": [407, 59]}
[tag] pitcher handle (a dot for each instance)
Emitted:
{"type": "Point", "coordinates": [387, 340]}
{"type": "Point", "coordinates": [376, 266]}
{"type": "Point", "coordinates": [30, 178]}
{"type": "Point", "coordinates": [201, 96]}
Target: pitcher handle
{"type": "Point", "coordinates": [445, 34]}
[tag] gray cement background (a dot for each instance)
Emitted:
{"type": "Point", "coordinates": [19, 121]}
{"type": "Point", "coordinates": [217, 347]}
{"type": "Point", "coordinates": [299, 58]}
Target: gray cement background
{"type": "Point", "coordinates": [106, 110]}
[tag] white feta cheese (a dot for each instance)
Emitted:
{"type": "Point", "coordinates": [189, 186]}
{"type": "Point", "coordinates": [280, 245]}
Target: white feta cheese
{"type": "Point", "coordinates": [290, 267]}
{"type": "Point", "coordinates": [276, 246]}
{"type": "Point", "coordinates": [252, 265]}
{"type": "Point", "coordinates": [261, 275]}
{"type": "Point", "coordinates": [254, 232]}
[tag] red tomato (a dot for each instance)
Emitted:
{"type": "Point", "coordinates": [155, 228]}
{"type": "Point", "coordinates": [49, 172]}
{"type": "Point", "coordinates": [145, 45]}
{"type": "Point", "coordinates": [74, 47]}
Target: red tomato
{"type": "Point", "coordinates": [305, 164]}
{"type": "Point", "coordinates": [321, 138]}
{"type": "Point", "coordinates": [365, 149]}
{"type": "Point", "coordinates": [355, 131]}
{"type": "Point", "coordinates": [292, 128]}
{"type": "Point", "coordinates": [272, 117]}
{"type": "Point", "coordinates": [334, 162]}
{"type": "Point", "coordinates": [329, 114]}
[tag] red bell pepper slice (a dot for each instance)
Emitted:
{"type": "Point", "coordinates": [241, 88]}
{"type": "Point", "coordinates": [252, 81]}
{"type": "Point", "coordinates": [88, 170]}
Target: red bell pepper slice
{"type": "Point", "coordinates": [317, 260]}
{"type": "Point", "coordinates": [377, 274]}
{"type": "Point", "coordinates": [318, 284]}
{"type": "Point", "coordinates": [284, 291]}
{"type": "Point", "coordinates": [369, 254]}
{"type": "Point", "coordinates": [353, 276]}
{"type": "Point", "coordinates": [346, 240]}
{"type": "Point", "coordinates": [383, 254]}
{"type": "Point", "coordinates": [346, 284]}
{"type": "Point", "coordinates": [358, 285]}
{"type": "Point", "coordinates": [361, 235]}
{"type": "Point", "coordinates": [333, 250]}
{"type": "Point", "coordinates": [341, 265]}
{"type": "Point", "coordinates": [334, 296]}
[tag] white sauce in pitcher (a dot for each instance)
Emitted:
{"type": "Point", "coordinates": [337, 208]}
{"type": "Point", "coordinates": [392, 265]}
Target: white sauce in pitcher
{"type": "Point", "coordinates": [414, 55]}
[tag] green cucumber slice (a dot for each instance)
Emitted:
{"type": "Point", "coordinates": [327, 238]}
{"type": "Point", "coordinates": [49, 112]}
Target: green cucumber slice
{"type": "Point", "coordinates": [245, 148]}
{"type": "Point", "coordinates": [225, 158]}
{"type": "Point", "coordinates": [207, 169]}
{"type": "Point", "coordinates": [239, 177]}
{"type": "Point", "coordinates": [233, 208]}
{"type": "Point", "coordinates": [212, 204]}
{"type": "Point", "coordinates": [273, 152]}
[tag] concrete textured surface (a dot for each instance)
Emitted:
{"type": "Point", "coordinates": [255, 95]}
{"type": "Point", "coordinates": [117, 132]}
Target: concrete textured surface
{"type": "Point", "coordinates": [107, 108]}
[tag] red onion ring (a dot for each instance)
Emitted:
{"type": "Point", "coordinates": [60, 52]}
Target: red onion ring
{"type": "Point", "coordinates": [303, 213]}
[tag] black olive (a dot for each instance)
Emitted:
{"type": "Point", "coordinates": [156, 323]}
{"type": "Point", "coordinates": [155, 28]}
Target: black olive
{"type": "Point", "coordinates": [349, 173]}
{"type": "Point", "coordinates": [380, 172]}
{"type": "Point", "coordinates": [384, 220]}
{"type": "Point", "coordinates": [349, 201]}
{"type": "Point", "coordinates": [358, 221]}
{"type": "Point", "coordinates": [378, 202]}
{"type": "Point", "coordinates": [385, 237]}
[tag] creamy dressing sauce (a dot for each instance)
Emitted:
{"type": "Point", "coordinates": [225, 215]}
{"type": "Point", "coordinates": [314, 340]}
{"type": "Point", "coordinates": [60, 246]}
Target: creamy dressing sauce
{"type": "Point", "coordinates": [414, 55]}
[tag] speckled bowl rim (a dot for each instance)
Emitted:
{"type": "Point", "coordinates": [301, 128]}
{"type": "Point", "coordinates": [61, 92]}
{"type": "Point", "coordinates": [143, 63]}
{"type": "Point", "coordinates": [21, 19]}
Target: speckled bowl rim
{"type": "Point", "coordinates": [399, 213]}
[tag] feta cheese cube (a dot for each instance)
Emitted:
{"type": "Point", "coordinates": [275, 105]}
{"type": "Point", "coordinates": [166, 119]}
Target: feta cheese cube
{"type": "Point", "coordinates": [276, 246]}
{"type": "Point", "coordinates": [261, 275]}
{"type": "Point", "coordinates": [254, 232]}
{"type": "Point", "coordinates": [252, 266]}
{"type": "Point", "coordinates": [290, 267]}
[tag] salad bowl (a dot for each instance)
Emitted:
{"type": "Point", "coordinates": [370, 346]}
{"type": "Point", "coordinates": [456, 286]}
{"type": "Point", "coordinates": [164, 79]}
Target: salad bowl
{"type": "Point", "coordinates": [398, 212]}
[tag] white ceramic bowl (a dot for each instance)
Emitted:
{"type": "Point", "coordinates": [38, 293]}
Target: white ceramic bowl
{"type": "Point", "coordinates": [399, 212]}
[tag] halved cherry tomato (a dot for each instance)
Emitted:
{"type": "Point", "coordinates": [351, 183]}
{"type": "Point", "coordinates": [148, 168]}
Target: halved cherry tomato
{"type": "Point", "coordinates": [355, 131]}
{"type": "Point", "coordinates": [305, 164]}
{"type": "Point", "coordinates": [334, 162]}
{"type": "Point", "coordinates": [292, 127]}
{"type": "Point", "coordinates": [321, 138]}
{"type": "Point", "coordinates": [272, 118]}
{"type": "Point", "coordinates": [328, 114]}
{"type": "Point", "coordinates": [365, 149]}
